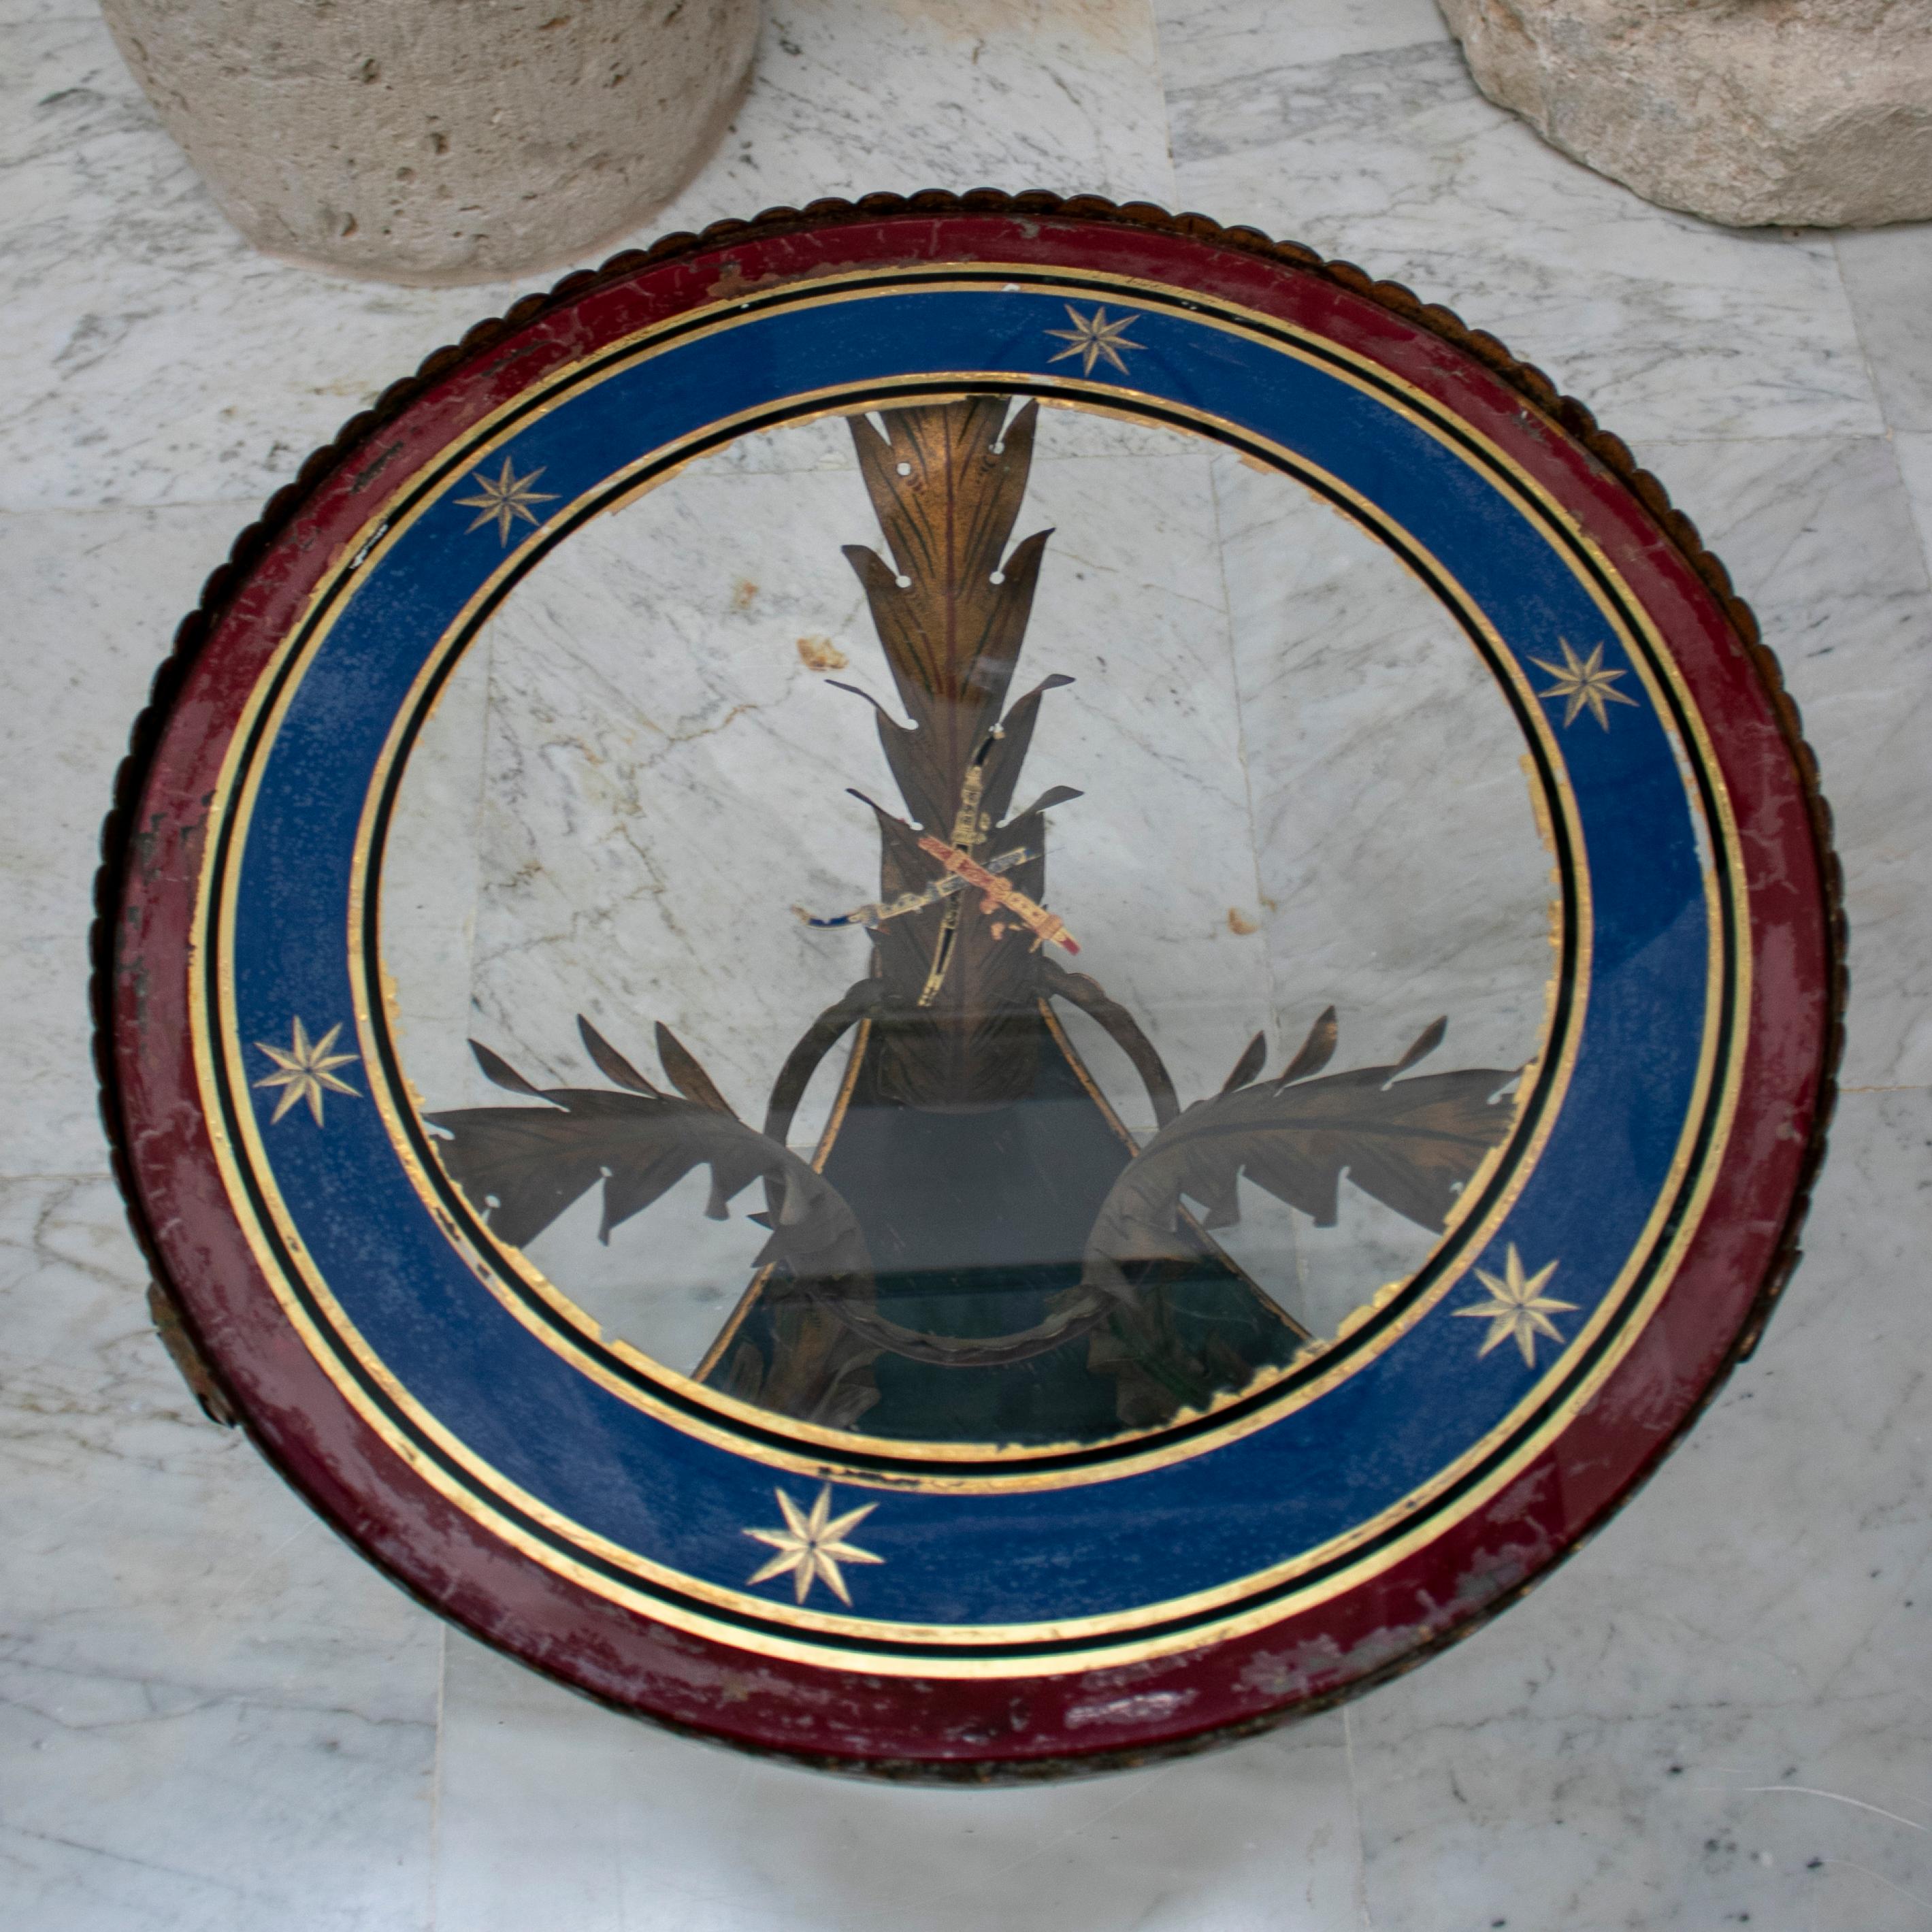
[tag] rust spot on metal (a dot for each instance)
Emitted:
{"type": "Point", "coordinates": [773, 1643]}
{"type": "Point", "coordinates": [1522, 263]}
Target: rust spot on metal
{"type": "Point", "coordinates": [188, 1359]}
{"type": "Point", "coordinates": [374, 467]}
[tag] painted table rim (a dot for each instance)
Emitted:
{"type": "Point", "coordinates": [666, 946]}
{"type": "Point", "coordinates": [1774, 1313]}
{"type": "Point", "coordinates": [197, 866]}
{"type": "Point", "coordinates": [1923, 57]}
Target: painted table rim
{"type": "Point", "coordinates": [121, 850]}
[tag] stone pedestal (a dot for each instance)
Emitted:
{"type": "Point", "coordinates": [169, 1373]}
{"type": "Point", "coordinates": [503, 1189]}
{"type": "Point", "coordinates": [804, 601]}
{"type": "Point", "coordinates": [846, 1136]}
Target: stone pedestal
{"type": "Point", "coordinates": [437, 141]}
{"type": "Point", "coordinates": [1747, 111]}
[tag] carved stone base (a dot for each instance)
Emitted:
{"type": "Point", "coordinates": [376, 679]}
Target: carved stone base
{"type": "Point", "coordinates": [441, 140]}
{"type": "Point", "coordinates": [1746, 112]}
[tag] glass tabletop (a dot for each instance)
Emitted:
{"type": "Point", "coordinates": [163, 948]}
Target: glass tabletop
{"type": "Point", "coordinates": [999, 924]}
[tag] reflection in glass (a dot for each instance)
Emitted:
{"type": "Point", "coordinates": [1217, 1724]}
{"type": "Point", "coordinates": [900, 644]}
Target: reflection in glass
{"type": "Point", "coordinates": [1010, 1218]}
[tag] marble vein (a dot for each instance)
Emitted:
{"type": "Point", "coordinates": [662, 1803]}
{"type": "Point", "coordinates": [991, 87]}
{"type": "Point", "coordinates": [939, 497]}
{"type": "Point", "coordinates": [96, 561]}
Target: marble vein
{"type": "Point", "coordinates": [1391, 158]}
{"type": "Point", "coordinates": [551, 1810]}
{"type": "Point", "coordinates": [210, 1709]}
{"type": "Point", "coordinates": [1887, 275]}
{"type": "Point", "coordinates": [151, 349]}
{"type": "Point", "coordinates": [1605, 1756]}
{"type": "Point", "coordinates": [93, 600]}
{"type": "Point", "coordinates": [1819, 535]}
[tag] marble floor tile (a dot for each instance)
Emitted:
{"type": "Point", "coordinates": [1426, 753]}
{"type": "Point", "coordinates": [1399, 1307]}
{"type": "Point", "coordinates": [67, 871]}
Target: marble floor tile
{"type": "Point", "coordinates": [152, 350]}
{"type": "Point", "coordinates": [1203, 39]}
{"type": "Point", "coordinates": [556, 1812]}
{"type": "Point", "coordinates": [1888, 274]}
{"type": "Point", "coordinates": [1390, 157]}
{"type": "Point", "coordinates": [1914, 451]}
{"type": "Point", "coordinates": [92, 601]}
{"type": "Point", "coordinates": [1702, 1718]}
{"type": "Point", "coordinates": [1819, 538]}
{"type": "Point", "coordinates": [214, 1716]}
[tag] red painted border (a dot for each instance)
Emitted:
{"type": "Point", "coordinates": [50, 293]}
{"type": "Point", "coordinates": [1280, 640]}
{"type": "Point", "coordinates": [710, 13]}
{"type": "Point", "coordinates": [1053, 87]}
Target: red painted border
{"type": "Point", "coordinates": [1737, 1262]}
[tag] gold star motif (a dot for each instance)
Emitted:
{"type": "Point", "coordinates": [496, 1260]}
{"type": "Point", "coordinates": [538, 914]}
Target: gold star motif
{"type": "Point", "coordinates": [1094, 339]}
{"type": "Point", "coordinates": [1583, 681]}
{"type": "Point", "coordinates": [504, 499]}
{"type": "Point", "coordinates": [1517, 1310]}
{"type": "Point", "coordinates": [813, 1547]}
{"type": "Point", "coordinates": [304, 1068]}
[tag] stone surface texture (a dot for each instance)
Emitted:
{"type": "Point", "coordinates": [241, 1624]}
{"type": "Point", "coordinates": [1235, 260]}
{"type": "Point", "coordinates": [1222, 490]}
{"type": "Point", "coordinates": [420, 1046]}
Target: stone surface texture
{"type": "Point", "coordinates": [1754, 112]}
{"type": "Point", "coordinates": [215, 1716]}
{"type": "Point", "coordinates": [443, 140]}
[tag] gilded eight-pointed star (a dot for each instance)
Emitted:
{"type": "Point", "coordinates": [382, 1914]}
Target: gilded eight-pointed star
{"type": "Point", "coordinates": [1094, 339]}
{"type": "Point", "coordinates": [1517, 1309]}
{"type": "Point", "coordinates": [303, 1068]}
{"type": "Point", "coordinates": [1583, 681]}
{"type": "Point", "coordinates": [504, 498]}
{"type": "Point", "coordinates": [812, 1547]}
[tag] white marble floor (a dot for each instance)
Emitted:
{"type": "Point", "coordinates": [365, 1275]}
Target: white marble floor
{"type": "Point", "coordinates": [215, 1716]}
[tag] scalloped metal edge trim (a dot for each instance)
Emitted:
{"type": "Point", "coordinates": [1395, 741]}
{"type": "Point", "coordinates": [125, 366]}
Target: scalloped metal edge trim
{"type": "Point", "coordinates": [1573, 418]}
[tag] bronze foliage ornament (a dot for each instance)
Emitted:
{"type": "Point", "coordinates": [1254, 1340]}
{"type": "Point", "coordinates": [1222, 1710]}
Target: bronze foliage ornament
{"type": "Point", "coordinates": [979, 1252]}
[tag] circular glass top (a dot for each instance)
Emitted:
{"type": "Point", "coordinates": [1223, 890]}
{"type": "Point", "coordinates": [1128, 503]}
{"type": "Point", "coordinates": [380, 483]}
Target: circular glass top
{"type": "Point", "coordinates": [921, 960]}
{"type": "Point", "coordinates": [968, 791]}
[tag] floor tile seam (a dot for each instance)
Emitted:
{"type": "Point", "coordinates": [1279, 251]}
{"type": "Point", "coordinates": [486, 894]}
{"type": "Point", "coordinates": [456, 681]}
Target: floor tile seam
{"type": "Point", "coordinates": [1653, 453]}
{"type": "Point", "coordinates": [1856, 310]}
{"type": "Point", "coordinates": [1160, 78]}
{"type": "Point", "coordinates": [1238, 76]}
{"type": "Point", "coordinates": [1691, 440]}
{"type": "Point", "coordinates": [438, 1760]}
{"type": "Point", "coordinates": [1920, 522]}
{"type": "Point", "coordinates": [1366, 1922]}
{"type": "Point", "coordinates": [1255, 839]}
{"type": "Point", "coordinates": [251, 499]}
